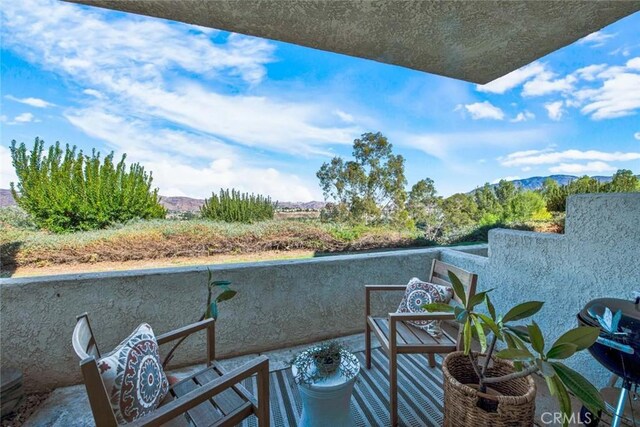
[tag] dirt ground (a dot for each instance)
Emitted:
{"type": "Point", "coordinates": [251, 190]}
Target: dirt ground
{"type": "Point", "coordinates": [26, 271]}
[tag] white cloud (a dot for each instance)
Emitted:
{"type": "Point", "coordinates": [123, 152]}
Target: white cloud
{"type": "Point", "coordinates": [34, 102]}
{"type": "Point", "coordinates": [483, 110]}
{"type": "Point", "coordinates": [583, 168]}
{"type": "Point", "coordinates": [596, 39]}
{"type": "Point", "coordinates": [554, 110]}
{"type": "Point", "coordinates": [443, 145]}
{"type": "Point", "coordinates": [590, 72]}
{"type": "Point", "coordinates": [131, 71]}
{"type": "Point", "coordinates": [24, 118]}
{"type": "Point", "coordinates": [618, 96]}
{"type": "Point", "coordinates": [637, 136]}
{"type": "Point", "coordinates": [345, 117]}
{"type": "Point", "coordinates": [549, 156]}
{"type": "Point", "coordinates": [513, 79]}
{"type": "Point", "coordinates": [546, 83]}
{"type": "Point", "coordinates": [94, 93]}
{"type": "Point", "coordinates": [194, 165]}
{"type": "Point", "coordinates": [7, 172]}
{"type": "Point", "coordinates": [523, 117]}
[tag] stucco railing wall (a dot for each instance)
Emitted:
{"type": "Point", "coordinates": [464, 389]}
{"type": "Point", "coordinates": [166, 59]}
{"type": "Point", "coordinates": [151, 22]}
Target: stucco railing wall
{"type": "Point", "coordinates": [598, 256]}
{"type": "Point", "coordinates": [279, 304]}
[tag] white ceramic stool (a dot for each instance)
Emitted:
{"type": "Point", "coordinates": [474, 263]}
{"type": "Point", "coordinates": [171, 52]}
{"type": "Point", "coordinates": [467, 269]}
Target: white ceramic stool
{"type": "Point", "coordinates": [326, 401]}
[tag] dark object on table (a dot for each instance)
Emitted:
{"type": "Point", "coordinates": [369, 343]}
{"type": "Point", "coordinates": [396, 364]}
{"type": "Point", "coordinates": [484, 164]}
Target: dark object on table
{"type": "Point", "coordinates": [618, 346]}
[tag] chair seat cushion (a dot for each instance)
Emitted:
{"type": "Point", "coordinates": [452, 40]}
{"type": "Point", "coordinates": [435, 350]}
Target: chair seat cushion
{"type": "Point", "coordinates": [419, 293]}
{"type": "Point", "coordinates": [133, 376]}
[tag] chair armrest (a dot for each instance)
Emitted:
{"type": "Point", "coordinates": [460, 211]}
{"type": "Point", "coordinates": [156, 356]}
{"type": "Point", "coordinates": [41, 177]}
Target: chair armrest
{"type": "Point", "coordinates": [400, 317]}
{"type": "Point", "coordinates": [259, 365]}
{"type": "Point", "coordinates": [184, 331]}
{"type": "Point", "coordinates": [370, 288]}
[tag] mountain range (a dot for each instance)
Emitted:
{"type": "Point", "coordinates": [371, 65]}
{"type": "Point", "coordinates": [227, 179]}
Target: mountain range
{"type": "Point", "coordinates": [190, 204]}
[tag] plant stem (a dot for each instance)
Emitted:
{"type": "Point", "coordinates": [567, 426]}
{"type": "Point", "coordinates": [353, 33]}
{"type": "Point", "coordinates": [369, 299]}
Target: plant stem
{"type": "Point", "coordinates": [173, 349]}
{"type": "Point", "coordinates": [475, 368]}
{"type": "Point", "coordinates": [530, 370]}
{"type": "Point", "coordinates": [489, 354]}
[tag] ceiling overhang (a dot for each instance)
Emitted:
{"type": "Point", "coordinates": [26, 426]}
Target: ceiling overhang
{"type": "Point", "coordinates": [476, 41]}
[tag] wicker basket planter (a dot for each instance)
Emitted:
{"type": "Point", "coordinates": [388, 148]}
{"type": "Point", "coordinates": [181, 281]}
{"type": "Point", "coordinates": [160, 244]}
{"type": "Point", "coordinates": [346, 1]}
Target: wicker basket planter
{"type": "Point", "coordinates": [513, 405]}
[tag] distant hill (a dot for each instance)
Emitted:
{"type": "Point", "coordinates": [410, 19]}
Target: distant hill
{"type": "Point", "coordinates": [535, 182]}
{"type": "Point", "coordinates": [6, 199]}
{"type": "Point", "coordinates": [184, 204]}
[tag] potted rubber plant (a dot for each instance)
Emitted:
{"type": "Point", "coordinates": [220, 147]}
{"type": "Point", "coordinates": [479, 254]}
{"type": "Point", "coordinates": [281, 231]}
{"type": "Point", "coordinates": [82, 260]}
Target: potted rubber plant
{"type": "Point", "coordinates": [495, 387]}
{"type": "Point", "coordinates": [217, 291]}
{"type": "Point", "coordinates": [321, 361]}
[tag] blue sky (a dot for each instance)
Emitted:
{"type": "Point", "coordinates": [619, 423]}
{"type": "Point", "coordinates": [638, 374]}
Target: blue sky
{"type": "Point", "coordinates": [205, 109]}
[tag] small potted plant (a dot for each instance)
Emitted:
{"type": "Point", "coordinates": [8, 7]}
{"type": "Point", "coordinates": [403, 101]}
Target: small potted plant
{"type": "Point", "coordinates": [494, 387]}
{"type": "Point", "coordinates": [321, 361]}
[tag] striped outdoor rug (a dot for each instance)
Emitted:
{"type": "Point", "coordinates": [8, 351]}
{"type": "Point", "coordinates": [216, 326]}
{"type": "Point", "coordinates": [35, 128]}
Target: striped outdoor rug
{"type": "Point", "coordinates": [419, 394]}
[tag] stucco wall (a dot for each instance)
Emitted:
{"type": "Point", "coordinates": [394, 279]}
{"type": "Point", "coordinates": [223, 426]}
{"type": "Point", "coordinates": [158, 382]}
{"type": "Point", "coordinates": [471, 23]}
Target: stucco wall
{"type": "Point", "coordinates": [598, 256]}
{"type": "Point", "coordinates": [279, 304]}
{"type": "Point", "coordinates": [291, 302]}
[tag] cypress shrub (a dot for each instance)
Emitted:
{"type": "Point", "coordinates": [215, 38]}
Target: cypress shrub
{"type": "Point", "coordinates": [66, 190]}
{"type": "Point", "coordinates": [233, 206]}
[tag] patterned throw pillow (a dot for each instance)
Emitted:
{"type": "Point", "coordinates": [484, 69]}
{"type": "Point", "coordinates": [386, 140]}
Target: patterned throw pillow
{"type": "Point", "coordinates": [419, 293]}
{"type": "Point", "coordinates": [133, 376]}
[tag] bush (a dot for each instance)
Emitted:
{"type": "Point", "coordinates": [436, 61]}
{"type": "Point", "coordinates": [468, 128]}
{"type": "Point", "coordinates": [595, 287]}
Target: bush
{"type": "Point", "coordinates": [68, 191]}
{"type": "Point", "coordinates": [233, 206]}
{"type": "Point", "coordinates": [15, 217]}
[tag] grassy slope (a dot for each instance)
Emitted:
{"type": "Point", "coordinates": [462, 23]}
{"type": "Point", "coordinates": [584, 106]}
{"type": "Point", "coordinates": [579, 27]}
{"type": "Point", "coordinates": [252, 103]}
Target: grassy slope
{"type": "Point", "coordinates": [170, 239]}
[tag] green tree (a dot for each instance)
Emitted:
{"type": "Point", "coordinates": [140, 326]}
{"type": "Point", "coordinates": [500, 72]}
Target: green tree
{"type": "Point", "coordinates": [489, 207]}
{"type": "Point", "coordinates": [623, 181]}
{"type": "Point", "coordinates": [554, 195]}
{"type": "Point", "coordinates": [527, 205]}
{"type": "Point", "coordinates": [460, 211]}
{"type": "Point", "coordinates": [505, 191]}
{"type": "Point", "coordinates": [584, 184]}
{"type": "Point", "coordinates": [234, 206]}
{"type": "Point", "coordinates": [370, 187]}
{"type": "Point", "coordinates": [423, 205]}
{"type": "Point", "coordinates": [66, 190]}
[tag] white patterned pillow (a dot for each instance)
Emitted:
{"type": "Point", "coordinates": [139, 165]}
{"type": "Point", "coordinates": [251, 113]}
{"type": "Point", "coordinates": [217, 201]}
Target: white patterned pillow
{"type": "Point", "coordinates": [419, 293]}
{"type": "Point", "coordinates": [133, 376]}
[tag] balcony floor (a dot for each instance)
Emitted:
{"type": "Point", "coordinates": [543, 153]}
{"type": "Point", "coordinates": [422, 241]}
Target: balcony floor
{"type": "Point", "coordinates": [420, 392]}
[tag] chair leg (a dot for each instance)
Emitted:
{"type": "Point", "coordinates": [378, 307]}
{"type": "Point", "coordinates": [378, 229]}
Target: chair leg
{"type": "Point", "coordinates": [264, 412]}
{"type": "Point", "coordinates": [393, 389]}
{"type": "Point", "coordinates": [432, 360]}
{"type": "Point", "coordinates": [367, 344]}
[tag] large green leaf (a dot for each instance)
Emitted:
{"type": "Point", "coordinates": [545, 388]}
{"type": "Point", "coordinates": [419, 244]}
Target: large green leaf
{"type": "Point", "coordinates": [481, 336]}
{"type": "Point", "coordinates": [535, 335]}
{"type": "Point", "coordinates": [226, 295]}
{"type": "Point", "coordinates": [562, 351]}
{"type": "Point", "coordinates": [477, 299]}
{"type": "Point", "coordinates": [467, 336]}
{"type": "Point", "coordinates": [582, 337]}
{"type": "Point", "coordinates": [458, 287]}
{"type": "Point", "coordinates": [213, 311]}
{"type": "Point", "coordinates": [490, 323]}
{"type": "Point", "coordinates": [583, 389]}
{"type": "Point", "coordinates": [519, 354]}
{"type": "Point", "coordinates": [438, 307]}
{"type": "Point", "coordinates": [462, 315]}
{"type": "Point", "coordinates": [520, 331]}
{"type": "Point", "coordinates": [490, 307]}
{"type": "Point", "coordinates": [522, 311]}
{"type": "Point", "coordinates": [563, 399]}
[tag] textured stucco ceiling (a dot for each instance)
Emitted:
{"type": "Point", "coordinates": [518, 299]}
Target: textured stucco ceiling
{"type": "Point", "coordinates": [477, 41]}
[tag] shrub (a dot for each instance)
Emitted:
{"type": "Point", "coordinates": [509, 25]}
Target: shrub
{"type": "Point", "coordinates": [233, 206]}
{"type": "Point", "coordinates": [15, 217]}
{"type": "Point", "coordinates": [69, 191]}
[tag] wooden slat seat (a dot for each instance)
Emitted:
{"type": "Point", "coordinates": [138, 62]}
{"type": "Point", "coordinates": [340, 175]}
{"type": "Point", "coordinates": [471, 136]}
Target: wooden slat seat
{"type": "Point", "coordinates": [410, 339]}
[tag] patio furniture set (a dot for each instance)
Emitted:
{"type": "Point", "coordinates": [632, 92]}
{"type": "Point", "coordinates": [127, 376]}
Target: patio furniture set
{"type": "Point", "coordinates": [128, 385]}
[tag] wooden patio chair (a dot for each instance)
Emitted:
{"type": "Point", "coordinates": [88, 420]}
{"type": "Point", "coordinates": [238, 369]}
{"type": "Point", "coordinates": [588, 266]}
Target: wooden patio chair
{"type": "Point", "coordinates": [397, 337]}
{"type": "Point", "coordinates": [210, 397]}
